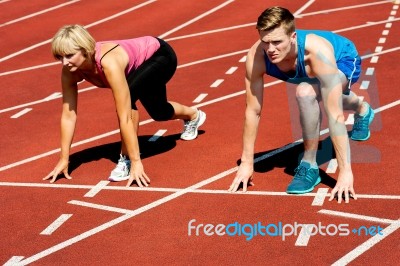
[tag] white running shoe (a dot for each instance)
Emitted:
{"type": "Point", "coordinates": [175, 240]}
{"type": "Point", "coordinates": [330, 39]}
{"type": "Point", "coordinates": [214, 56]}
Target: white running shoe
{"type": "Point", "coordinates": [121, 171]}
{"type": "Point", "coordinates": [190, 127]}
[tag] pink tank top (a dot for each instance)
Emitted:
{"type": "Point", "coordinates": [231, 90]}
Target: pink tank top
{"type": "Point", "coordinates": [138, 50]}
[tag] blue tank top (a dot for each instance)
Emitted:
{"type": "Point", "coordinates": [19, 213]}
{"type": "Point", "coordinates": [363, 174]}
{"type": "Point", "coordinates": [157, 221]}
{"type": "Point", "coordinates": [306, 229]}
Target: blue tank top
{"type": "Point", "coordinates": [343, 48]}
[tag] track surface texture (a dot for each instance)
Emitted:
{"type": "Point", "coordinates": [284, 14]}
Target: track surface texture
{"type": "Point", "coordinates": [177, 219]}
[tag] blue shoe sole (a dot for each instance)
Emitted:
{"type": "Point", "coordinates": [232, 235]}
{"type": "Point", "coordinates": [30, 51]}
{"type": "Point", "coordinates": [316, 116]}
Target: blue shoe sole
{"type": "Point", "coordinates": [304, 191]}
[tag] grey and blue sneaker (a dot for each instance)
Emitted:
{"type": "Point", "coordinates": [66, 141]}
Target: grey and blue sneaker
{"type": "Point", "coordinates": [361, 130]}
{"type": "Point", "coordinates": [305, 179]}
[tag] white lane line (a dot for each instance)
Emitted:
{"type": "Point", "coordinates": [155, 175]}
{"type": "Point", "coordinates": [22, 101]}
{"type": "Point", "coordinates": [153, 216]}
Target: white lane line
{"type": "Point", "coordinates": [231, 70]}
{"type": "Point", "coordinates": [358, 251]}
{"type": "Point", "coordinates": [350, 120]}
{"type": "Point", "coordinates": [304, 7]}
{"type": "Point", "coordinates": [38, 13]}
{"type": "Point", "coordinates": [209, 32]}
{"type": "Point", "coordinates": [28, 68]}
{"type": "Point", "coordinates": [387, 106]}
{"type": "Point", "coordinates": [388, 25]}
{"type": "Point", "coordinates": [48, 98]}
{"type": "Point", "coordinates": [73, 240]}
{"type": "Point", "coordinates": [320, 197]}
{"type": "Point", "coordinates": [172, 190]}
{"type": "Point", "coordinates": [56, 224]}
{"type": "Point", "coordinates": [243, 59]}
{"type": "Point", "coordinates": [364, 85]}
{"type": "Point", "coordinates": [378, 51]}
{"type": "Point", "coordinates": [381, 53]}
{"type": "Point", "coordinates": [87, 26]}
{"type": "Point", "coordinates": [374, 59]}
{"type": "Point", "coordinates": [180, 66]}
{"type": "Point", "coordinates": [304, 236]}
{"type": "Point", "coordinates": [21, 113]}
{"type": "Point", "coordinates": [382, 40]}
{"type": "Point", "coordinates": [213, 58]}
{"type": "Point", "coordinates": [200, 98]}
{"type": "Point", "coordinates": [120, 13]}
{"type": "Point", "coordinates": [99, 207]}
{"type": "Point", "coordinates": [96, 189]}
{"type": "Point", "coordinates": [357, 216]}
{"type": "Point", "coordinates": [125, 217]}
{"type": "Point", "coordinates": [107, 134]}
{"type": "Point", "coordinates": [158, 134]}
{"type": "Point", "coordinates": [332, 166]}
{"type": "Point", "coordinates": [53, 96]}
{"type": "Point", "coordinates": [385, 32]}
{"type": "Point", "coordinates": [117, 131]}
{"type": "Point", "coordinates": [15, 260]}
{"type": "Point", "coordinates": [58, 150]}
{"type": "Point", "coordinates": [370, 71]}
{"type": "Point", "coordinates": [195, 19]}
{"type": "Point", "coordinates": [341, 8]}
{"type": "Point", "coordinates": [217, 83]}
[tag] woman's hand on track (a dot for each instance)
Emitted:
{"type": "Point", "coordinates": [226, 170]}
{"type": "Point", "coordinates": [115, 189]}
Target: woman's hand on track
{"type": "Point", "coordinates": [61, 167]}
{"type": "Point", "coordinates": [137, 174]}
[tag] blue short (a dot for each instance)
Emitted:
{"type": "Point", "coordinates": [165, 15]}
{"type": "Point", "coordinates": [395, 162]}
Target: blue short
{"type": "Point", "coordinates": [349, 63]}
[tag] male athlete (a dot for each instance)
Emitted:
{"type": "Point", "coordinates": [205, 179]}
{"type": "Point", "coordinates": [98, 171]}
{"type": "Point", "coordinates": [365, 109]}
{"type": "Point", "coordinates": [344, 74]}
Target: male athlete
{"type": "Point", "coordinates": [324, 65]}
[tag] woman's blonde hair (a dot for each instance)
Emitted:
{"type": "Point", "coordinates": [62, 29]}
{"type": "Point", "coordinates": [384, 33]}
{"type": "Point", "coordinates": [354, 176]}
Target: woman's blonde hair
{"type": "Point", "coordinates": [70, 39]}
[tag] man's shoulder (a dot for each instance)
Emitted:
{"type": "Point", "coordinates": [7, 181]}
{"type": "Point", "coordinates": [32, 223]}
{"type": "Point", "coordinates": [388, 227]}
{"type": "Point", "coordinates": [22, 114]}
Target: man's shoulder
{"type": "Point", "coordinates": [314, 43]}
{"type": "Point", "coordinates": [255, 63]}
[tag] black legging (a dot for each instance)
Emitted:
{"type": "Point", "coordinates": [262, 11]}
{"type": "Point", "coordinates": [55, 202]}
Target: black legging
{"type": "Point", "coordinates": [148, 83]}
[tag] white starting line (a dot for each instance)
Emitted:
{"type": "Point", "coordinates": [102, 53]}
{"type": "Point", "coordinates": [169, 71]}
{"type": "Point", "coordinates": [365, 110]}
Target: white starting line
{"type": "Point", "coordinates": [95, 189]}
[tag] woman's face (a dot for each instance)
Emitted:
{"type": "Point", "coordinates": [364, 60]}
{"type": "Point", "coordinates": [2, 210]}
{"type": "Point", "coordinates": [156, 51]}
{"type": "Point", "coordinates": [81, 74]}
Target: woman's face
{"type": "Point", "coordinates": [73, 61]}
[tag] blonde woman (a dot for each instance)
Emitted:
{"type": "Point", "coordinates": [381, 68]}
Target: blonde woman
{"type": "Point", "coordinates": [134, 69]}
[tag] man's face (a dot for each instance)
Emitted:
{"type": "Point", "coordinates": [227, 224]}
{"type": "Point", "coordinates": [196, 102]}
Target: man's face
{"type": "Point", "coordinates": [276, 44]}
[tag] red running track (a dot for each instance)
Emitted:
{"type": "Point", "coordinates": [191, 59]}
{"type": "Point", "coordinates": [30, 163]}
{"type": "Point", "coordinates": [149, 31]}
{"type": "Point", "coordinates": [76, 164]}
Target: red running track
{"type": "Point", "coordinates": [105, 223]}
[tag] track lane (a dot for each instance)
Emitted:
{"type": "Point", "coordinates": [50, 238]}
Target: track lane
{"type": "Point", "coordinates": [226, 158]}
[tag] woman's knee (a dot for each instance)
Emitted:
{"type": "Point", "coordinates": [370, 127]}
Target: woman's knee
{"type": "Point", "coordinates": [164, 113]}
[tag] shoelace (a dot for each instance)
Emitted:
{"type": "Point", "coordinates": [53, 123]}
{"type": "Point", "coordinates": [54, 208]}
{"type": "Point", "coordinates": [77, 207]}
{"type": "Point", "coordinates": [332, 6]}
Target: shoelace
{"type": "Point", "coordinates": [360, 123]}
{"type": "Point", "coordinates": [301, 172]}
{"type": "Point", "coordinates": [190, 126]}
{"type": "Point", "coordinates": [121, 164]}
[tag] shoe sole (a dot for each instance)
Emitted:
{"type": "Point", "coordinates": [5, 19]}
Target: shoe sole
{"type": "Point", "coordinates": [307, 190]}
{"type": "Point", "coordinates": [369, 131]}
{"type": "Point", "coordinates": [117, 179]}
{"type": "Point", "coordinates": [201, 122]}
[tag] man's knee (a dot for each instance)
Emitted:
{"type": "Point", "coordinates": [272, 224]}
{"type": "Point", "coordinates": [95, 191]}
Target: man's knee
{"type": "Point", "coordinates": [307, 93]}
{"type": "Point", "coordinates": [305, 90]}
